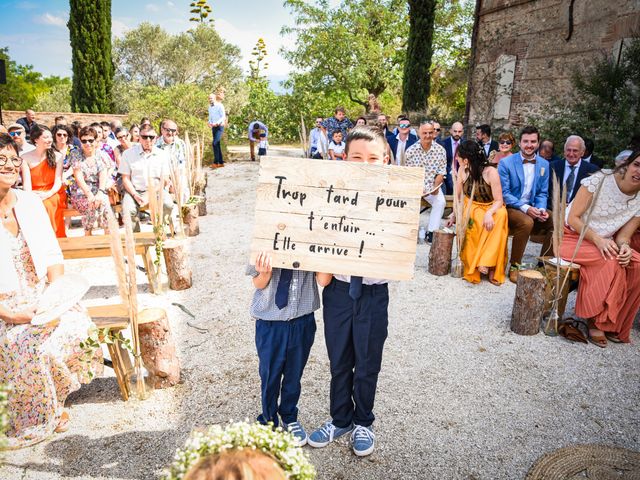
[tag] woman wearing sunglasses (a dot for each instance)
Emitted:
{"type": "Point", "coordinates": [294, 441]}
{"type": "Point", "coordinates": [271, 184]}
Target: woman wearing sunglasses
{"type": "Point", "coordinates": [88, 192]}
{"type": "Point", "coordinates": [506, 141]}
{"type": "Point", "coordinates": [45, 165]}
{"type": "Point", "coordinates": [63, 143]}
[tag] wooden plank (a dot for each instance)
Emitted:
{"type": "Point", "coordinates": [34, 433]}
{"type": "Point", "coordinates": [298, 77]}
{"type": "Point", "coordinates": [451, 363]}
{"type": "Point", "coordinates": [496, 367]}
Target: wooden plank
{"type": "Point", "coordinates": [338, 217]}
{"type": "Point", "coordinates": [109, 311]}
{"type": "Point", "coordinates": [391, 179]}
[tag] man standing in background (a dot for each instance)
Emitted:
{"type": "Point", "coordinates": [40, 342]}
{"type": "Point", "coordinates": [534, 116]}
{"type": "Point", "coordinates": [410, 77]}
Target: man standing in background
{"type": "Point", "coordinates": [256, 128]}
{"type": "Point", "coordinates": [217, 119]}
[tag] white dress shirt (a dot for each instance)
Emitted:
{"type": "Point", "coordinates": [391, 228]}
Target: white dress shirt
{"type": "Point", "coordinates": [529, 177]}
{"type": "Point", "coordinates": [567, 171]}
{"type": "Point", "coordinates": [365, 280]}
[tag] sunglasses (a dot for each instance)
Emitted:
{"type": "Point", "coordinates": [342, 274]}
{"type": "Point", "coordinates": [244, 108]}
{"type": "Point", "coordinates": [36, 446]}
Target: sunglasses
{"type": "Point", "coordinates": [16, 133]}
{"type": "Point", "coordinates": [16, 161]}
{"type": "Point", "coordinates": [61, 134]}
{"type": "Point", "coordinates": [148, 137]}
{"type": "Point", "coordinates": [87, 140]}
{"type": "Point", "coordinates": [404, 125]}
{"type": "Point", "coordinates": [505, 142]}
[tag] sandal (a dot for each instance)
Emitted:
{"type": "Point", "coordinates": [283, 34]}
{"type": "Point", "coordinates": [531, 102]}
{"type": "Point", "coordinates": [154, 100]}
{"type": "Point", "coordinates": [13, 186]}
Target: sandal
{"type": "Point", "coordinates": [63, 423]}
{"type": "Point", "coordinates": [597, 340]}
{"type": "Point", "coordinates": [613, 337]}
{"type": "Point", "coordinates": [574, 330]}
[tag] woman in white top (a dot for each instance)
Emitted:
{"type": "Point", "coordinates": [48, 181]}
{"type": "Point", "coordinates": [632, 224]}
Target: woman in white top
{"type": "Point", "coordinates": [42, 364]}
{"type": "Point", "coordinates": [609, 291]}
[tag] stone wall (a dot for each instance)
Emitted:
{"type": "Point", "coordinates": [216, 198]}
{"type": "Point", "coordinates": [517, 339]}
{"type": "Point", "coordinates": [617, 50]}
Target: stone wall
{"type": "Point", "coordinates": [527, 50]}
{"type": "Point", "coordinates": [46, 118]}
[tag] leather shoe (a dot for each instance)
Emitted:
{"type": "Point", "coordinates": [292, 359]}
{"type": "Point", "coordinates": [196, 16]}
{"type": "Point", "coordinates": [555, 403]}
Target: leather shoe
{"type": "Point", "coordinates": [513, 275]}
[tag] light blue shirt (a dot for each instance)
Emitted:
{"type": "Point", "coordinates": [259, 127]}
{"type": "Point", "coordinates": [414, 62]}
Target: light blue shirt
{"type": "Point", "coordinates": [261, 126]}
{"type": "Point", "coordinates": [217, 113]}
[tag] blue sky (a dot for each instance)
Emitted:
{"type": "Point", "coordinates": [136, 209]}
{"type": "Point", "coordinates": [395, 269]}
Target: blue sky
{"type": "Point", "coordinates": [36, 33]}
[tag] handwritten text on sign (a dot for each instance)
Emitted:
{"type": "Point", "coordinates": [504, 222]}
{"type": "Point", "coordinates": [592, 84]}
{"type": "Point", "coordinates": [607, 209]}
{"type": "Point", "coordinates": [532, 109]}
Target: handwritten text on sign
{"type": "Point", "coordinates": [338, 217]}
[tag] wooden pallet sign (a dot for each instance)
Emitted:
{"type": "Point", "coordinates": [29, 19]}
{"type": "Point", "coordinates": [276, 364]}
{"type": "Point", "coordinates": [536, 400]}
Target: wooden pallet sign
{"type": "Point", "coordinates": [338, 217]}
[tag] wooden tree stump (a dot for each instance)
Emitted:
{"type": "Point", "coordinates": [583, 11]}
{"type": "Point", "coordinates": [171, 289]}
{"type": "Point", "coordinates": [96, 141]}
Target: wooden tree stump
{"type": "Point", "coordinates": [551, 270]}
{"type": "Point", "coordinates": [202, 207]}
{"type": "Point", "coordinates": [158, 349]}
{"type": "Point", "coordinates": [528, 305]}
{"type": "Point", "coordinates": [440, 253]}
{"type": "Point", "coordinates": [178, 270]}
{"type": "Point", "coordinates": [190, 220]}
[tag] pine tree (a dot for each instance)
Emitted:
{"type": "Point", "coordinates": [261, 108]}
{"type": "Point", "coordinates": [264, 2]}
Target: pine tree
{"type": "Point", "coordinates": [417, 81]}
{"type": "Point", "coordinates": [90, 33]}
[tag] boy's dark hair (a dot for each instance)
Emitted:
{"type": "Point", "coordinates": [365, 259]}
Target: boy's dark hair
{"type": "Point", "coordinates": [403, 117]}
{"type": "Point", "coordinates": [365, 132]}
{"type": "Point", "coordinates": [7, 140]}
{"type": "Point", "coordinates": [528, 130]}
{"type": "Point", "coordinates": [104, 123]}
{"type": "Point", "coordinates": [485, 129]}
{"type": "Point", "coordinates": [340, 109]}
{"type": "Point", "coordinates": [337, 132]}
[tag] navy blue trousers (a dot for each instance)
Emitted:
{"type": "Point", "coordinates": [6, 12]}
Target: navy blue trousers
{"type": "Point", "coordinates": [217, 132]}
{"type": "Point", "coordinates": [283, 351]}
{"type": "Point", "coordinates": [355, 332]}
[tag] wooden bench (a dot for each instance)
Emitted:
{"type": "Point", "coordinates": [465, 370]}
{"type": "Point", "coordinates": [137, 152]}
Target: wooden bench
{"type": "Point", "coordinates": [116, 318]}
{"type": "Point", "coordinates": [100, 246]}
{"type": "Point", "coordinates": [72, 212]}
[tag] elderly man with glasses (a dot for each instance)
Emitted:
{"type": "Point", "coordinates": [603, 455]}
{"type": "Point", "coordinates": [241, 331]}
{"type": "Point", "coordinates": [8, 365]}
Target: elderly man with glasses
{"type": "Point", "coordinates": [177, 152]}
{"type": "Point", "coordinates": [144, 161]}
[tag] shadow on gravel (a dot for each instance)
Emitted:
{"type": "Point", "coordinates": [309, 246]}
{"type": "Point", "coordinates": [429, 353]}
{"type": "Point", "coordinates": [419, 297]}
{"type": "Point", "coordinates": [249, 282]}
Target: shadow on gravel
{"type": "Point", "coordinates": [130, 455]}
{"type": "Point", "coordinates": [100, 390]}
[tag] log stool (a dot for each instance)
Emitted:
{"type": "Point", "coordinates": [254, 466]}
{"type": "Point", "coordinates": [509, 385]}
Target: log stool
{"type": "Point", "coordinates": [528, 305]}
{"type": "Point", "coordinates": [440, 253]}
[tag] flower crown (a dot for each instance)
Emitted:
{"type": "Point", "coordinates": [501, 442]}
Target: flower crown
{"type": "Point", "coordinates": [277, 443]}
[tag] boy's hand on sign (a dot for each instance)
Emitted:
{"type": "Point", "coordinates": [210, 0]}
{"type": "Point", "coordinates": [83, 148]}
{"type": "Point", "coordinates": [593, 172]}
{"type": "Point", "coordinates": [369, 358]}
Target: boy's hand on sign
{"type": "Point", "coordinates": [263, 263]}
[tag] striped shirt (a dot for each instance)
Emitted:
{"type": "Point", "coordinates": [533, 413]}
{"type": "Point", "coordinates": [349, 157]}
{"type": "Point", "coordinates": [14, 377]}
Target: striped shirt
{"type": "Point", "coordinates": [303, 296]}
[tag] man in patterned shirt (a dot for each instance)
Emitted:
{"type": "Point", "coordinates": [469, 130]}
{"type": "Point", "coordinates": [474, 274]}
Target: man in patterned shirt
{"type": "Point", "coordinates": [433, 158]}
{"type": "Point", "coordinates": [338, 122]}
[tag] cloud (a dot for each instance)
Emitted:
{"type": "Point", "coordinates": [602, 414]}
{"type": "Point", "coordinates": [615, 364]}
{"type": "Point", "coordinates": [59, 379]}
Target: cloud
{"type": "Point", "coordinates": [151, 7]}
{"type": "Point", "coordinates": [50, 19]}
{"type": "Point", "coordinates": [246, 40]}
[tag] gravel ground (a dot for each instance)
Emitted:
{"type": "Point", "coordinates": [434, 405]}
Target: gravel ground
{"type": "Point", "coordinates": [459, 395]}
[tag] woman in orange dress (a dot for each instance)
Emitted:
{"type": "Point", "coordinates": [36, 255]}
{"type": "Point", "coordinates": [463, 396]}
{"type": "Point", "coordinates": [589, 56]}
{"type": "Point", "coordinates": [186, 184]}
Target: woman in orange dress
{"type": "Point", "coordinates": [609, 288]}
{"type": "Point", "coordinates": [45, 165]}
{"type": "Point", "coordinates": [483, 252]}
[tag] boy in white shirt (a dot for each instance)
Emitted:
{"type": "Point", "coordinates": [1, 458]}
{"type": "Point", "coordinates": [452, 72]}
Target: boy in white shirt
{"type": "Point", "coordinates": [337, 147]}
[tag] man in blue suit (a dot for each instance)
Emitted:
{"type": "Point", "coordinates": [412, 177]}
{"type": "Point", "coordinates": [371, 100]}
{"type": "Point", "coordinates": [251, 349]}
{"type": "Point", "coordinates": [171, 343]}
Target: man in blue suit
{"type": "Point", "coordinates": [450, 145]}
{"type": "Point", "coordinates": [525, 189]}
{"type": "Point", "coordinates": [571, 170]}
{"type": "Point", "coordinates": [399, 142]}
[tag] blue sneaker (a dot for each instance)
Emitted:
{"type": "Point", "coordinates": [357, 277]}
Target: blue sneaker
{"type": "Point", "coordinates": [326, 434]}
{"type": "Point", "coordinates": [362, 440]}
{"type": "Point", "coordinates": [297, 431]}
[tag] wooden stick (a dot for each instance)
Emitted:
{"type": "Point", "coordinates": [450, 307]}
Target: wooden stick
{"type": "Point", "coordinates": [118, 256]}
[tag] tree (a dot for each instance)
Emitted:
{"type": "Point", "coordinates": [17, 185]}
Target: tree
{"type": "Point", "coordinates": [201, 11]}
{"type": "Point", "coordinates": [357, 47]}
{"type": "Point", "coordinates": [417, 68]}
{"type": "Point", "coordinates": [149, 55]}
{"type": "Point", "coordinates": [90, 33]}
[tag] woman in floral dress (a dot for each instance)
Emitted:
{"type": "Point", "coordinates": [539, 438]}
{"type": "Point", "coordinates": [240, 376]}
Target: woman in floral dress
{"type": "Point", "coordinates": [88, 192]}
{"type": "Point", "coordinates": [40, 364]}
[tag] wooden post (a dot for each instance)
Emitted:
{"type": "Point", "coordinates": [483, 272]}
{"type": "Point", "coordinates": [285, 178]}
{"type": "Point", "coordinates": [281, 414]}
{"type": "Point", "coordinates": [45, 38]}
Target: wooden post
{"type": "Point", "coordinates": [178, 270]}
{"type": "Point", "coordinates": [202, 207]}
{"type": "Point", "coordinates": [190, 220]}
{"type": "Point", "coordinates": [158, 348]}
{"type": "Point", "coordinates": [550, 270]}
{"type": "Point", "coordinates": [440, 253]}
{"type": "Point", "coordinates": [528, 305]}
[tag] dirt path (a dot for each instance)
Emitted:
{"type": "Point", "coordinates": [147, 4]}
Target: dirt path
{"type": "Point", "coordinates": [459, 395]}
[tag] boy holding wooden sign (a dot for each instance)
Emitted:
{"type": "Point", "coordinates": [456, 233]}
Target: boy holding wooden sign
{"type": "Point", "coordinates": [283, 307]}
{"type": "Point", "coordinates": [355, 326]}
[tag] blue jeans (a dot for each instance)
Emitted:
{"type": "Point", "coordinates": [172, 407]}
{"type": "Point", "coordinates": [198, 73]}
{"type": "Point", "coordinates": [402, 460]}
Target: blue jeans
{"type": "Point", "coordinates": [217, 148]}
{"type": "Point", "coordinates": [283, 351]}
{"type": "Point", "coordinates": [355, 332]}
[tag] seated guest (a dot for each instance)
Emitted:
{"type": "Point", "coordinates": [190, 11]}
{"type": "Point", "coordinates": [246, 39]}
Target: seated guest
{"type": "Point", "coordinates": [45, 168]}
{"type": "Point", "coordinates": [124, 140]}
{"type": "Point", "coordinates": [525, 189]}
{"type": "Point", "coordinates": [16, 131]}
{"type": "Point", "coordinates": [361, 122]}
{"type": "Point", "coordinates": [485, 242]}
{"type": "Point", "coordinates": [429, 155]}
{"type": "Point", "coordinates": [451, 144]}
{"type": "Point", "coordinates": [59, 120]}
{"type": "Point", "coordinates": [547, 151]}
{"type": "Point", "coordinates": [337, 147]}
{"type": "Point", "coordinates": [588, 154]}
{"type": "Point", "coordinates": [572, 170]}
{"type": "Point", "coordinates": [134, 131]}
{"type": "Point", "coordinates": [318, 145]}
{"type": "Point", "coordinates": [177, 153]}
{"type": "Point", "coordinates": [63, 144]}
{"type": "Point", "coordinates": [28, 122]}
{"type": "Point", "coordinates": [143, 161]}
{"type": "Point", "coordinates": [401, 141]}
{"type": "Point", "coordinates": [42, 363]}
{"type": "Point", "coordinates": [88, 193]}
{"type": "Point", "coordinates": [483, 136]}
{"type": "Point", "coordinates": [506, 142]}
{"type": "Point", "coordinates": [609, 289]}
{"type": "Point", "coordinates": [75, 128]}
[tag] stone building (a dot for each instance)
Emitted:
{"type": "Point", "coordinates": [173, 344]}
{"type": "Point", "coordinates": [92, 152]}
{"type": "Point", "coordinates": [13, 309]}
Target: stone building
{"type": "Point", "coordinates": [526, 50]}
